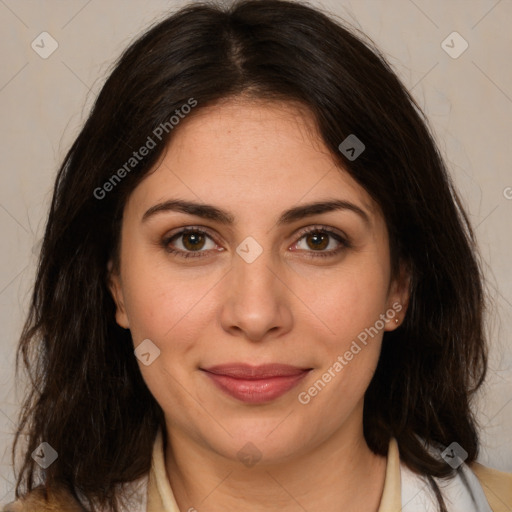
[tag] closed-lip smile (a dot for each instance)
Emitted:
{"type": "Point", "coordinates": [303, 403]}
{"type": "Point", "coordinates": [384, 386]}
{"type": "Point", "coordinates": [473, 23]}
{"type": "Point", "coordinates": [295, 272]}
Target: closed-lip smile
{"type": "Point", "coordinates": [255, 384]}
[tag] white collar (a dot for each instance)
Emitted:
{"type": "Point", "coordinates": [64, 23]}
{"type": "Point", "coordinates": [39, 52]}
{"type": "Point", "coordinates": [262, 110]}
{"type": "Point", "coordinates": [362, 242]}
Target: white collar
{"type": "Point", "coordinates": [463, 493]}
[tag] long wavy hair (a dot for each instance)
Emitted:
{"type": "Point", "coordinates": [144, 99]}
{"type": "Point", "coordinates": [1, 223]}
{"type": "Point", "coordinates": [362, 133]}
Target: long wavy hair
{"type": "Point", "coordinates": [87, 398]}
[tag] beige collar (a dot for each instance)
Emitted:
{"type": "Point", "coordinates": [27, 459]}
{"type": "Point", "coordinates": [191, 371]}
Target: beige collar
{"type": "Point", "coordinates": [160, 497]}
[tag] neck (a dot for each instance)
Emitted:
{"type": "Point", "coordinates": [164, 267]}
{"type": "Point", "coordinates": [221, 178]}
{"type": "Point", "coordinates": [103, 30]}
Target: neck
{"type": "Point", "coordinates": [340, 474]}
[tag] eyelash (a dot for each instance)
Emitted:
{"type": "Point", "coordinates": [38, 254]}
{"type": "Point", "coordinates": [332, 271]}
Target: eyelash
{"type": "Point", "coordinates": [344, 243]}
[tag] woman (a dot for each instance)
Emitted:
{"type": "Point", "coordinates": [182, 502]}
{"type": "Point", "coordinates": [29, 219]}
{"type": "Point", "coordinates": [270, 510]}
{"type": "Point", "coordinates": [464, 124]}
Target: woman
{"type": "Point", "coordinates": [258, 288]}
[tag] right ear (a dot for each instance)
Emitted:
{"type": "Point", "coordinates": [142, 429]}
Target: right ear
{"type": "Point", "coordinates": [116, 289]}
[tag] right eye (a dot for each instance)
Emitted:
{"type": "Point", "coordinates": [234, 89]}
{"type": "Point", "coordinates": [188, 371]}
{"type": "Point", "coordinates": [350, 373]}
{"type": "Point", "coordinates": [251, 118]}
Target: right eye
{"type": "Point", "coordinates": [193, 240]}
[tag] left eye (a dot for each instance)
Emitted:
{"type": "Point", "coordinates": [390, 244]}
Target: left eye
{"type": "Point", "coordinates": [320, 239]}
{"type": "Point", "coordinates": [317, 238]}
{"type": "Point", "coordinates": [194, 240]}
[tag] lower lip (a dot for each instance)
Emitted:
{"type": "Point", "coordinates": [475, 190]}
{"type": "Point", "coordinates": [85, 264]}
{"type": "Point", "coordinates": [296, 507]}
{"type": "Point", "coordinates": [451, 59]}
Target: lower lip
{"type": "Point", "coordinates": [256, 391]}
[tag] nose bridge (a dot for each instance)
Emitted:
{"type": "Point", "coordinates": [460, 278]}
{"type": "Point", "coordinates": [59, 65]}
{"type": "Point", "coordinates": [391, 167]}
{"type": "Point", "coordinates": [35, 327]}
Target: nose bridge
{"type": "Point", "coordinates": [255, 300]}
{"type": "Point", "coordinates": [252, 269]}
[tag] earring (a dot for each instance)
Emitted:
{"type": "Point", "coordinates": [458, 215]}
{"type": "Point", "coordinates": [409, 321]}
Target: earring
{"type": "Point", "coordinates": [397, 321]}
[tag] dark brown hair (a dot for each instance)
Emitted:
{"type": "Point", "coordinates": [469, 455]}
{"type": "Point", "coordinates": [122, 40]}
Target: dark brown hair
{"type": "Point", "coordinates": [88, 399]}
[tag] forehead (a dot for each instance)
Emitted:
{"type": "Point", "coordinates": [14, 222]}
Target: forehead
{"type": "Point", "coordinates": [251, 154]}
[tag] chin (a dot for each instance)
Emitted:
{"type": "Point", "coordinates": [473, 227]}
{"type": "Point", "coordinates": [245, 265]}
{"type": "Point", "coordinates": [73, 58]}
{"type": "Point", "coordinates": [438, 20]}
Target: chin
{"type": "Point", "coordinates": [267, 442]}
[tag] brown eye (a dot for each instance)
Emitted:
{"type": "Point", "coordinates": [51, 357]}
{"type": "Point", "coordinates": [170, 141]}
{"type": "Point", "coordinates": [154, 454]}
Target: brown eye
{"type": "Point", "coordinates": [188, 242]}
{"type": "Point", "coordinates": [193, 241]}
{"type": "Point", "coordinates": [318, 239]}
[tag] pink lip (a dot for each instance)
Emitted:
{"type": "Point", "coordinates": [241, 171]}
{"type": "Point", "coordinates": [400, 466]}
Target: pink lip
{"type": "Point", "coordinates": [255, 384]}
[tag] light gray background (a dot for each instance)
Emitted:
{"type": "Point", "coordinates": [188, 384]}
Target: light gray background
{"type": "Point", "coordinates": [467, 99]}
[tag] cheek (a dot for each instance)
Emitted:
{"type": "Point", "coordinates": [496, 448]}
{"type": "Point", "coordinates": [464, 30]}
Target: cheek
{"type": "Point", "coordinates": [163, 310]}
{"type": "Point", "coordinates": [159, 303]}
{"type": "Point", "coordinates": [349, 357]}
{"type": "Point", "coordinates": [169, 310]}
{"type": "Point", "coordinates": [352, 302]}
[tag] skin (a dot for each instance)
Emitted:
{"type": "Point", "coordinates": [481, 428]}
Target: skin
{"type": "Point", "coordinates": [255, 160]}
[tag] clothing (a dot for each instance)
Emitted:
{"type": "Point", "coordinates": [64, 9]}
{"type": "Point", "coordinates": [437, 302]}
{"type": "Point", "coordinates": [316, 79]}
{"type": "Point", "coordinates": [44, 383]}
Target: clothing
{"type": "Point", "coordinates": [474, 489]}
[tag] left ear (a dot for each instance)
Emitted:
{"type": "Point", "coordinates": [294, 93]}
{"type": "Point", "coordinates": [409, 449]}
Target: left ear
{"type": "Point", "coordinates": [114, 285]}
{"type": "Point", "coordinates": [398, 298]}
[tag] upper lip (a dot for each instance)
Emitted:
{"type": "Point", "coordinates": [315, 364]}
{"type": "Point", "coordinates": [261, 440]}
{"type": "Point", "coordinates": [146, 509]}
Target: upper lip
{"type": "Point", "coordinates": [247, 371]}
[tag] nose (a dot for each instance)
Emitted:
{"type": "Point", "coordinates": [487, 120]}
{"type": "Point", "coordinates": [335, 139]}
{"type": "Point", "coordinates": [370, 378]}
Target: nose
{"type": "Point", "coordinates": [256, 300]}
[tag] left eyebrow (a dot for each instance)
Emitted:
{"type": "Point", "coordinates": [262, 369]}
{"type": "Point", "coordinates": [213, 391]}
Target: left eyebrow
{"type": "Point", "coordinates": [207, 211]}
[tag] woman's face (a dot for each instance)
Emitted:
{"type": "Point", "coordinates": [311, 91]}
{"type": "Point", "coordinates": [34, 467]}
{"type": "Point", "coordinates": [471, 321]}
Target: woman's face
{"type": "Point", "coordinates": [256, 288]}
